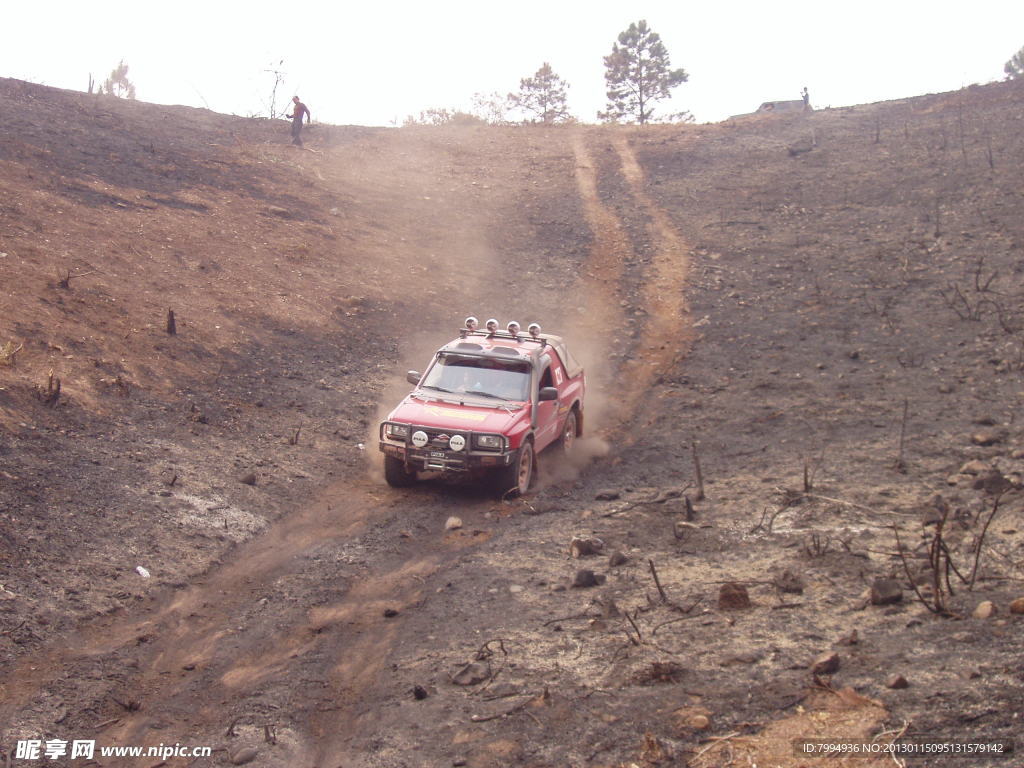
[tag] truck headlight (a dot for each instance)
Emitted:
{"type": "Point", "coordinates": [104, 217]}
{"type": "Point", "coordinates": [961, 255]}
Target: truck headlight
{"type": "Point", "coordinates": [490, 442]}
{"type": "Point", "coordinates": [397, 431]}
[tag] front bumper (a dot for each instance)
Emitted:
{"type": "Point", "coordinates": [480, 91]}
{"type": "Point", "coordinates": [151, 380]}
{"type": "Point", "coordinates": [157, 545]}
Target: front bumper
{"type": "Point", "coordinates": [436, 457]}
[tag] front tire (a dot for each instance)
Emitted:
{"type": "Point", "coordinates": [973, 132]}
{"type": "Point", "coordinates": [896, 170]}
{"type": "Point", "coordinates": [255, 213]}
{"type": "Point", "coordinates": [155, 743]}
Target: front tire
{"type": "Point", "coordinates": [567, 439]}
{"type": "Point", "coordinates": [515, 479]}
{"type": "Point", "coordinates": [396, 474]}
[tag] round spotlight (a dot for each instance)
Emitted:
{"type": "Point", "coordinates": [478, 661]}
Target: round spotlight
{"type": "Point", "coordinates": [492, 325]}
{"type": "Point", "coordinates": [472, 323]}
{"type": "Point", "coordinates": [513, 328]}
{"type": "Point", "coordinates": [534, 330]}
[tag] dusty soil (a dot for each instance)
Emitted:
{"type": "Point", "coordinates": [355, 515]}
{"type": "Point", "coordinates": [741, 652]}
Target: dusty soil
{"type": "Point", "coordinates": [824, 310]}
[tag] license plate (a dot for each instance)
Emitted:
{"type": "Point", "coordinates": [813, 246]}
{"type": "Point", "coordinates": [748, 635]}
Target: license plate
{"type": "Point", "coordinates": [437, 454]}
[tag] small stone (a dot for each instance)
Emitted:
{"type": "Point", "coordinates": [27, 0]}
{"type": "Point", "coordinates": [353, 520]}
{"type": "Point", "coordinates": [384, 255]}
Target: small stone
{"type": "Point", "coordinates": [419, 692]}
{"type": "Point", "coordinates": [244, 755]}
{"type": "Point", "coordinates": [452, 523]}
{"type": "Point", "coordinates": [581, 546]}
{"type": "Point", "coordinates": [886, 592]}
{"type": "Point", "coordinates": [683, 529]}
{"type": "Point", "coordinates": [692, 718]}
{"type": "Point", "coordinates": [1017, 606]}
{"type": "Point", "coordinates": [608, 494]}
{"type": "Point", "coordinates": [390, 613]}
{"type": "Point", "coordinates": [897, 682]}
{"type": "Point", "coordinates": [975, 467]}
{"type": "Point", "coordinates": [1017, 453]}
{"type": "Point", "coordinates": [851, 638]}
{"type": "Point", "coordinates": [986, 437]}
{"type": "Point", "coordinates": [985, 610]}
{"type": "Point", "coordinates": [733, 597]}
{"type": "Point", "coordinates": [617, 558]}
{"type": "Point", "coordinates": [992, 482]}
{"type": "Point", "coordinates": [249, 478]}
{"type": "Point", "coordinates": [699, 722]}
{"type": "Point", "coordinates": [826, 664]}
{"type": "Point", "coordinates": [515, 589]}
{"type": "Point", "coordinates": [789, 582]}
{"type": "Point", "coordinates": [585, 578]}
{"type": "Point", "coordinates": [946, 388]}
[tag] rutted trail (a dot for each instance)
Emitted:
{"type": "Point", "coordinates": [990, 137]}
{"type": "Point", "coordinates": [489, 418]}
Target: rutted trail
{"type": "Point", "coordinates": [666, 332]}
{"type": "Point", "coordinates": [296, 627]}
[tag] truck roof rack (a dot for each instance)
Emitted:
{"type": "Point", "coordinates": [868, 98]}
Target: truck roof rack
{"type": "Point", "coordinates": [466, 333]}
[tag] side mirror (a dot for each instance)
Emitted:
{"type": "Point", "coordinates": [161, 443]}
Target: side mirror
{"type": "Point", "coordinates": [413, 377]}
{"type": "Point", "coordinates": [547, 393]}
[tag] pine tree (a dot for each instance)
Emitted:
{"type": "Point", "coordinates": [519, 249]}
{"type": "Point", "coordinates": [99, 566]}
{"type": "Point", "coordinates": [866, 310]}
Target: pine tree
{"type": "Point", "coordinates": [543, 96]}
{"type": "Point", "coordinates": [638, 73]}
{"type": "Point", "coordinates": [118, 84]}
{"type": "Point", "coordinates": [1014, 68]}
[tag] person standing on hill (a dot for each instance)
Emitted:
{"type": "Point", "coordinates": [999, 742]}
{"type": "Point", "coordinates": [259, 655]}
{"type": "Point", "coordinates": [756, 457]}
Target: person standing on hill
{"type": "Point", "coordinates": [298, 110]}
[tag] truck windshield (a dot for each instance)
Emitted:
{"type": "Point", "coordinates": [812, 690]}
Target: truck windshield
{"type": "Point", "coordinates": [483, 376]}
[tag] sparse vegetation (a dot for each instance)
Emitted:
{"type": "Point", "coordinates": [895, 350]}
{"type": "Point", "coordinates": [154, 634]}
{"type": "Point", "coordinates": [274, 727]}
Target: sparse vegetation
{"type": "Point", "coordinates": [542, 97]}
{"type": "Point", "coordinates": [444, 116]}
{"type": "Point", "coordinates": [1014, 68]}
{"type": "Point", "coordinates": [117, 83]}
{"type": "Point", "coordinates": [638, 74]}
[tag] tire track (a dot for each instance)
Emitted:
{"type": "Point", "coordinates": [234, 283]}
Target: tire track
{"type": "Point", "coordinates": [667, 331]}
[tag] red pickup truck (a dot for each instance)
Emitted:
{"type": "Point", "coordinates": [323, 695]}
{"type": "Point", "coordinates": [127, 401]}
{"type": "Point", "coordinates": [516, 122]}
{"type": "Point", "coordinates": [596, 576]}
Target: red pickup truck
{"type": "Point", "coordinates": [488, 403]}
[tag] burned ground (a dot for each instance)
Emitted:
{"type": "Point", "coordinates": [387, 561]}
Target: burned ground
{"type": "Point", "coordinates": [768, 296]}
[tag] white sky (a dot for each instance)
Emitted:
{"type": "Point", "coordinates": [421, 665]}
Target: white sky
{"type": "Point", "coordinates": [373, 63]}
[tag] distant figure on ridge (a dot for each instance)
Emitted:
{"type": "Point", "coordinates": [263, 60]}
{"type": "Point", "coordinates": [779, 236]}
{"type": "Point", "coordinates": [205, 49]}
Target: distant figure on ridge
{"type": "Point", "coordinates": [298, 111]}
{"type": "Point", "coordinates": [807, 99]}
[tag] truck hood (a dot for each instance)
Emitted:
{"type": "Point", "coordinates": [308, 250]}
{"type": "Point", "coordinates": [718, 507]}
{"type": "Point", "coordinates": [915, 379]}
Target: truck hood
{"type": "Point", "coordinates": [468, 416]}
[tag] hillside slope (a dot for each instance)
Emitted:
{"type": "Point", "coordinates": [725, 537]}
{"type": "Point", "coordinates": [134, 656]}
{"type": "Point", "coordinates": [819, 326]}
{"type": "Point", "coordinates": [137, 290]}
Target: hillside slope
{"type": "Point", "coordinates": [767, 296]}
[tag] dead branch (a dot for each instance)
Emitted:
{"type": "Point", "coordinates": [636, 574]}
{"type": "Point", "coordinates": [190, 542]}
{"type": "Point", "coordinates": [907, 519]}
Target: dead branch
{"type": "Point", "coordinates": [505, 713]}
{"type": "Point", "coordinates": [659, 497]}
{"type": "Point", "coordinates": [770, 518]}
{"type": "Point", "coordinates": [639, 637]}
{"type": "Point", "coordinates": [816, 546]}
{"type": "Point", "coordinates": [981, 541]}
{"type": "Point", "coordinates": [574, 617]}
{"type": "Point", "coordinates": [51, 394]}
{"type": "Point", "coordinates": [65, 281]}
{"type": "Point", "coordinates": [8, 352]}
{"type": "Point", "coordinates": [657, 582]}
{"type": "Point", "coordinates": [913, 582]}
{"type": "Point", "coordinates": [899, 466]}
{"type": "Point", "coordinates": [698, 473]}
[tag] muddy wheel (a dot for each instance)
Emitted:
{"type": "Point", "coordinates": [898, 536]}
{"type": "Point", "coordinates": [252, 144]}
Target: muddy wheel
{"type": "Point", "coordinates": [567, 439]}
{"type": "Point", "coordinates": [515, 479]}
{"type": "Point", "coordinates": [396, 474]}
